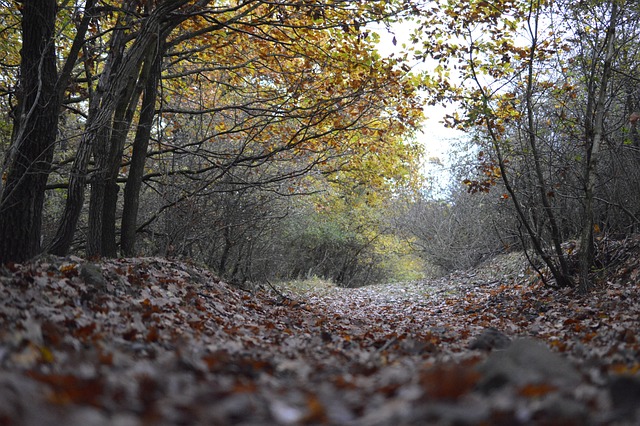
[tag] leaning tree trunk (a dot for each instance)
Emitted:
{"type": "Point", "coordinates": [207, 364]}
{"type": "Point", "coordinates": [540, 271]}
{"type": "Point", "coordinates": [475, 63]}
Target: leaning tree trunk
{"type": "Point", "coordinates": [104, 189]}
{"type": "Point", "coordinates": [28, 161]}
{"type": "Point", "coordinates": [96, 132]}
{"type": "Point", "coordinates": [115, 78]}
{"type": "Point", "coordinates": [121, 125]}
{"type": "Point", "coordinates": [138, 158]}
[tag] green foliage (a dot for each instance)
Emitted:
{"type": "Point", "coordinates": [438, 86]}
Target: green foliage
{"type": "Point", "coordinates": [315, 285]}
{"type": "Point", "coordinates": [346, 240]}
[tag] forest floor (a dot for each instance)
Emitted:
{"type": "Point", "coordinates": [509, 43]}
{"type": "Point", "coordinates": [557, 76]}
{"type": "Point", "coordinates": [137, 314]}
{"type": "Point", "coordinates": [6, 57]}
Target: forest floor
{"type": "Point", "coordinates": [150, 341]}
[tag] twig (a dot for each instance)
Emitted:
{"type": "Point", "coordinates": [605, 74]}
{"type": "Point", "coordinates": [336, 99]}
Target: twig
{"type": "Point", "coordinates": [282, 296]}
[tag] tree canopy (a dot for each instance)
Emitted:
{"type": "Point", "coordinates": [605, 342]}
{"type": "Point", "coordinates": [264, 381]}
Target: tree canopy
{"type": "Point", "coordinates": [199, 127]}
{"type": "Point", "coordinates": [182, 99]}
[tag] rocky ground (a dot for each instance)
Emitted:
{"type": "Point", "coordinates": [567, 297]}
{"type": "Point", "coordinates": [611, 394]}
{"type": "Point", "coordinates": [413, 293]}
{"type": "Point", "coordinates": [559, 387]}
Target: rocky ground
{"type": "Point", "coordinates": [159, 342]}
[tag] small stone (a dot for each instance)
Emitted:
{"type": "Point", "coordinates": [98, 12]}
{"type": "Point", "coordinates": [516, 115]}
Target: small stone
{"type": "Point", "coordinates": [92, 275]}
{"type": "Point", "coordinates": [95, 281]}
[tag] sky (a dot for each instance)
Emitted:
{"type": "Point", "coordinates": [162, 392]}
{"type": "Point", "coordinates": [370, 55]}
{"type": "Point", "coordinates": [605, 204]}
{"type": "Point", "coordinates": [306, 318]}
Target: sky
{"type": "Point", "coordinates": [436, 139]}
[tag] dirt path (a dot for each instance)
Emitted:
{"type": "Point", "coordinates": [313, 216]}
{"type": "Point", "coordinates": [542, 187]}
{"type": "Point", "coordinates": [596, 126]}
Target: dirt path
{"type": "Point", "coordinates": [150, 341]}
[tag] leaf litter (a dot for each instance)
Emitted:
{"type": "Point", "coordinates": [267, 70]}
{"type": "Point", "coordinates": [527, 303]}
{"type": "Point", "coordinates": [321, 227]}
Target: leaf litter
{"type": "Point", "coordinates": [154, 341]}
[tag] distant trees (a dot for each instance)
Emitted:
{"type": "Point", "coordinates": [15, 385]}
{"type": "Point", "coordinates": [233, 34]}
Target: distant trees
{"type": "Point", "coordinates": [458, 231]}
{"type": "Point", "coordinates": [351, 240]}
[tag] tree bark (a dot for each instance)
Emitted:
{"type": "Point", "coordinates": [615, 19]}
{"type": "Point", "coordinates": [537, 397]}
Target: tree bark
{"type": "Point", "coordinates": [104, 189]}
{"type": "Point", "coordinates": [94, 133]}
{"type": "Point", "coordinates": [561, 270]}
{"type": "Point", "coordinates": [138, 158]}
{"type": "Point", "coordinates": [28, 161]}
{"type": "Point", "coordinates": [594, 138]}
{"type": "Point", "coordinates": [124, 62]}
{"type": "Point", "coordinates": [122, 124]}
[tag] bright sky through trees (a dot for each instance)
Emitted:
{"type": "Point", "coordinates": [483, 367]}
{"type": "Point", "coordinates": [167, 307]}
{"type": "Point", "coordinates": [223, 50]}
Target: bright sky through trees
{"type": "Point", "coordinates": [436, 138]}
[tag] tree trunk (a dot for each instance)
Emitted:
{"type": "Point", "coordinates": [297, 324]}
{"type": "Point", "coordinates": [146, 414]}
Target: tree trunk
{"type": "Point", "coordinates": [118, 139]}
{"type": "Point", "coordinates": [594, 139]}
{"type": "Point", "coordinates": [104, 189]}
{"type": "Point", "coordinates": [28, 161]}
{"type": "Point", "coordinates": [122, 65]}
{"type": "Point", "coordinates": [97, 124]}
{"type": "Point", "coordinates": [559, 270]}
{"type": "Point", "coordinates": [138, 158]}
{"type": "Point", "coordinates": [63, 238]}
{"type": "Point", "coordinates": [98, 184]}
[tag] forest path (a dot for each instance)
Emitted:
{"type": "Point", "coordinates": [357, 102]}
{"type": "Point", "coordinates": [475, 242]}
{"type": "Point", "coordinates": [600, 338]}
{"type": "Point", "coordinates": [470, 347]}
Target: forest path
{"type": "Point", "coordinates": [152, 341]}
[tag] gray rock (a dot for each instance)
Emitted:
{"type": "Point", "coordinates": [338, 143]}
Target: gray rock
{"type": "Point", "coordinates": [526, 361]}
{"type": "Point", "coordinates": [489, 339]}
{"type": "Point", "coordinates": [22, 401]}
{"type": "Point", "coordinates": [556, 409]}
{"type": "Point", "coordinates": [625, 394]}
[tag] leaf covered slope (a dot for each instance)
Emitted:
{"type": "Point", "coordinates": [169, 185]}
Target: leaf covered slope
{"type": "Point", "coordinates": [153, 341]}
